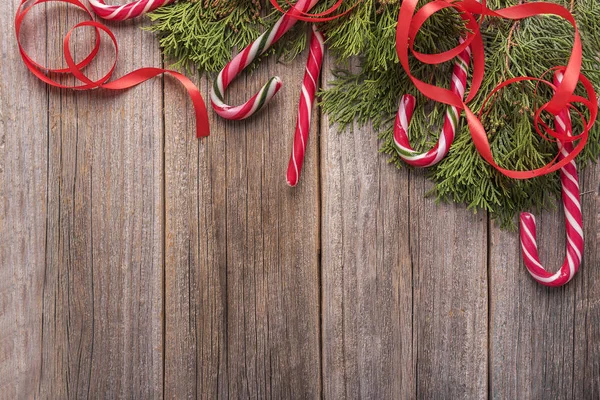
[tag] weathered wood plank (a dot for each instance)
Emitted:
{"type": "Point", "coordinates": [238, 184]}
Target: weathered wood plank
{"type": "Point", "coordinates": [102, 306]}
{"type": "Point", "coordinates": [366, 269]}
{"type": "Point", "coordinates": [380, 236]}
{"type": "Point", "coordinates": [196, 279]}
{"type": "Point", "coordinates": [23, 171]}
{"type": "Point", "coordinates": [586, 368]}
{"type": "Point", "coordinates": [449, 254]}
{"type": "Point", "coordinates": [531, 326]}
{"type": "Point", "coordinates": [242, 267]}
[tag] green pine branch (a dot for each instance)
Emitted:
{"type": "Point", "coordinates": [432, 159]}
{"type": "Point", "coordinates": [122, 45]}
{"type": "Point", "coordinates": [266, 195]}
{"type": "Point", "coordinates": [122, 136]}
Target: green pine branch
{"type": "Point", "coordinates": [368, 83]}
{"type": "Point", "coordinates": [370, 94]}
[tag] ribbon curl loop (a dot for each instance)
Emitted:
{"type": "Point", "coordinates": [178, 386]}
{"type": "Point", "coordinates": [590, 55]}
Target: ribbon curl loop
{"type": "Point", "coordinates": [76, 69]}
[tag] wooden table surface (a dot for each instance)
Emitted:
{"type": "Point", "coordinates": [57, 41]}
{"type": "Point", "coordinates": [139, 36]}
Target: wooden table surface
{"type": "Point", "coordinates": [137, 261]}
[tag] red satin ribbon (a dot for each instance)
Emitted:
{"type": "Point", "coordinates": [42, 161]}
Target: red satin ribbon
{"type": "Point", "coordinates": [409, 24]}
{"type": "Point", "coordinates": [128, 81]}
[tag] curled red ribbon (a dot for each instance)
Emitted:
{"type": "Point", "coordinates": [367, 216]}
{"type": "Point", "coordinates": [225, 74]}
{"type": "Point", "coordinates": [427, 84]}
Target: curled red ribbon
{"type": "Point", "coordinates": [128, 81]}
{"type": "Point", "coordinates": [409, 24]}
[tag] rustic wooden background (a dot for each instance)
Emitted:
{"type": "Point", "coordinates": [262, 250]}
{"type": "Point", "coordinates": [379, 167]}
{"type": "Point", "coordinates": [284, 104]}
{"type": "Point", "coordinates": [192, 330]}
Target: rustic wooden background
{"type": "Point", "coordinates": [137, 261]}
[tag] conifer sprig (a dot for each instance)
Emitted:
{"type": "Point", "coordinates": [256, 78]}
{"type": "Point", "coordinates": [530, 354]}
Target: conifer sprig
{"type": "Point", "coordinates": [370, 93]}
{"type": "Point", "coordinates": [368, 83]}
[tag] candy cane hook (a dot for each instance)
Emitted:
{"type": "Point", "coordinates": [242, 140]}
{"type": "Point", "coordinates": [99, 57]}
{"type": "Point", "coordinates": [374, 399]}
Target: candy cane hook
{"type": "Point", "coordinates": [243, 59]}
{"type": "Point", "coordinates": [126, 11]}
{"type": "Point", "coordinates": [573, 218]}
{"type": "Point", "coordinates": [405, 112]}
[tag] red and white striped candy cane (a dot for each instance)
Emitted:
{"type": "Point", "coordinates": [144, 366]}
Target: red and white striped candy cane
{"type": "Point", "coordinates": [574, 220]}
{"type": "Point", "coordinates": [405, 112]}
{"type": "Point", "coordinates": [307, 98]}
{"type": "Point", "coordinates": [243, 59]}
{"type": "Point", "coordinates": [126, 11]}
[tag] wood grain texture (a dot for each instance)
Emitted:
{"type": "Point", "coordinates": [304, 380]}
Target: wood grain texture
{"type": "Point", "coordinates": [448, 250]}
{"type": "Point", "coordinates": [196, 258]}
{"type": "Point", "coordinates": [242, 312]}
{"type": "Point", "coordinates": [102, 304]}
{"type": "Point", "coordinates": [23, 182]}
{"type": "Point", "coordinates": [366, 270]}
{"type": "Point", "coordinates": [405, 306]}
{"type": "Point", "coordinates": [139, 262]}
{"type": "Point", "coordinates": [531, 328]}
{"type": "Point", "coordinates": [586, 365]}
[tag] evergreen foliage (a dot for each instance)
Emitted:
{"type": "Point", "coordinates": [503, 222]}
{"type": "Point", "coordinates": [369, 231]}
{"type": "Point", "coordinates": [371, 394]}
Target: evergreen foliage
{"type": "Point", "coordinates": [369, 82]}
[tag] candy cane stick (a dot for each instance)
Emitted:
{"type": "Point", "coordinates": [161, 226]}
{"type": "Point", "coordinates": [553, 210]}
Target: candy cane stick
{"type": "Point", "coordinates": [242, 60]}
{"type": "Point", "coordinates": [405, 112]}
{"type": "Point", "coordinates": [126, 11]}
{"type": "Point", "coordinates": [309, 88]}
{"type": "Point", "coordinates": [574, 220]}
